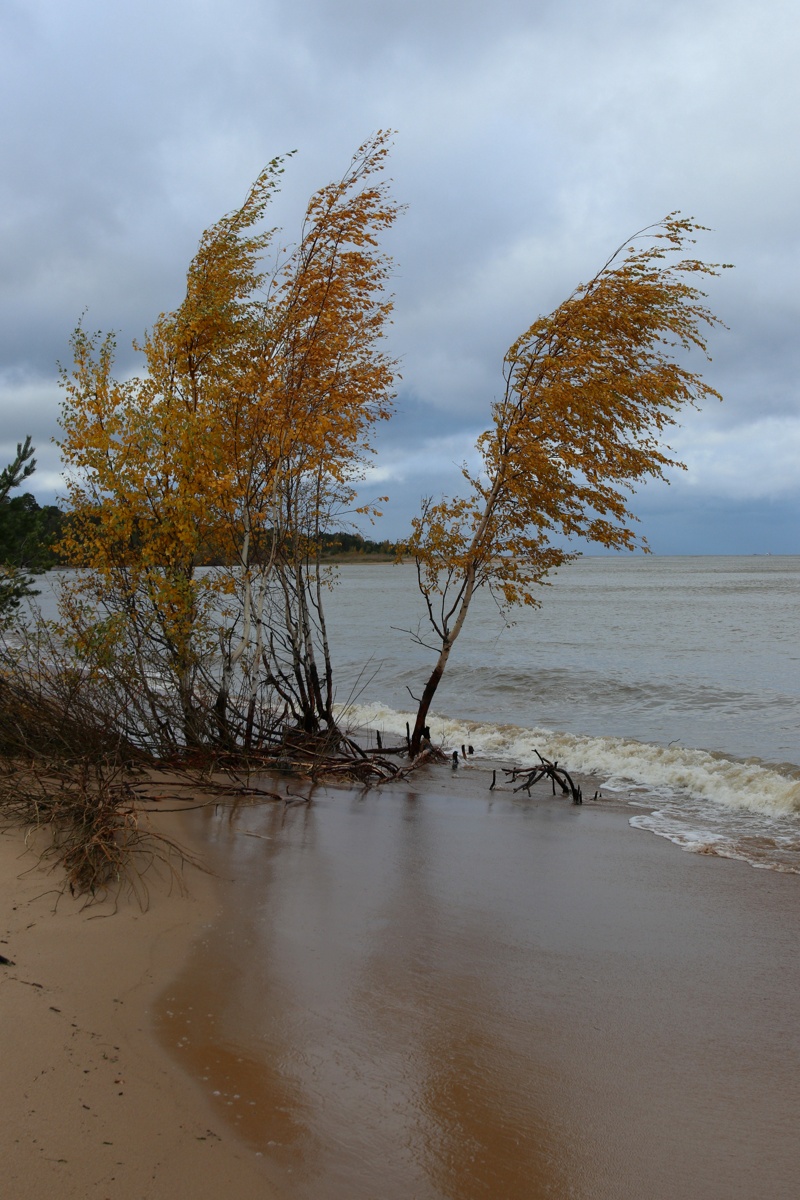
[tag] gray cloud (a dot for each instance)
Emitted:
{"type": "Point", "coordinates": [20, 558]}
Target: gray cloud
{"type": "Point", "coordinates": [531, 140]}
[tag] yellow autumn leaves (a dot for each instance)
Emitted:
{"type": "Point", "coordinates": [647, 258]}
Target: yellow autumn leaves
{"type": "Point", "coordinates": [589, 390]}
{"type": "Point", "coordinates": [241, 441]}
{"type": "Point", "coordinates": [241, 438]}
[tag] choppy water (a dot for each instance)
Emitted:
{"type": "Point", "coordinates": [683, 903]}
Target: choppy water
{"type": "Point", "coordinates": [675, 680]}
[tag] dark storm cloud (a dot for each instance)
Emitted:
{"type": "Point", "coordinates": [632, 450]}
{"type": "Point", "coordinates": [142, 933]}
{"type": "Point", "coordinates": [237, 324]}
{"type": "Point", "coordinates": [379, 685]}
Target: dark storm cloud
{"type": "Point", "coordinates": [532, 138]}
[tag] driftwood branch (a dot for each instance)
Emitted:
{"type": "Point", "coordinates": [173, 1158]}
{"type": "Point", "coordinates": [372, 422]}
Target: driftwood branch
{"type": "Point", "coordinates": [544, 770]}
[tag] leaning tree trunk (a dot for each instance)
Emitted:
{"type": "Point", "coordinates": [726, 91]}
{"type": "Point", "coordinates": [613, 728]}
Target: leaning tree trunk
{"type": "Point", "coordinates": [448, 640]}
{"type": "Point", "coordinates": [427, 698]}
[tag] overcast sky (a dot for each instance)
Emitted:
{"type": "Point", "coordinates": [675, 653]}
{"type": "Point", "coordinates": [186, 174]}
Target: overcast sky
{"type": "Point", "coordinates": [531, 139]}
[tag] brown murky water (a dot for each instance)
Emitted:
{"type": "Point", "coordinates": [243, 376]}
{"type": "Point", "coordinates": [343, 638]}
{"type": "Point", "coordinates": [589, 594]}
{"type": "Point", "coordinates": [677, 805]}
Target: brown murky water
{"type": "Point", "coordinates": [445, 996]}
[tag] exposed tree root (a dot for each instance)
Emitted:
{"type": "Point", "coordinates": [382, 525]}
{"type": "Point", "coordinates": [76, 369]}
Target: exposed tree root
{"type": "Point", "coordinates": [97, 831]}
{"type": "Point", "coordinates": [65, 770]}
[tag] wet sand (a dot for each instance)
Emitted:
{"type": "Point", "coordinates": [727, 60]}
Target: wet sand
{"type": "Point", "coordinates": [92, 1108]}
{"type": "Point", "coordinates": [433, 993]}
{"type": "Point", "coordinates": [438, 993]}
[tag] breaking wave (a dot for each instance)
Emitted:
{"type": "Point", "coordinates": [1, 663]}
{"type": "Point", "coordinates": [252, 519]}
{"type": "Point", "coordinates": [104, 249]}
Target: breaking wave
{"type": "Point", "coordinates": [705, 803]}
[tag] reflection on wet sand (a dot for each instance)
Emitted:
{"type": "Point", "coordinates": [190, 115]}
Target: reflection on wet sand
{"type": "Point", "coordinates": [449, 998]}
{"type": "Point", "coordinates": [481, 1128]}
{"type": "Point", "coordinates": [349, 1028]}
{"type": "Point", "coordinates": [248, 1088]}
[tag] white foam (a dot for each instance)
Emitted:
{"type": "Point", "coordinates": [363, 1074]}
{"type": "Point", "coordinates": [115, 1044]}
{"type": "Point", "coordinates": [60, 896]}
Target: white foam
{"type": "Point", "coordinates": [771, 843]}
{"type": "Point", "coordinates": [666, 771]}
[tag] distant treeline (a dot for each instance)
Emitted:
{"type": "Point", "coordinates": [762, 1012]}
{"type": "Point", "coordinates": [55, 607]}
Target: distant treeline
{"type": "Point", "coordinates": [354, 543]}
{"type": "Point", "coordinates": [331, 545]}
{"type": "Point", "coordinates": [29, 531]}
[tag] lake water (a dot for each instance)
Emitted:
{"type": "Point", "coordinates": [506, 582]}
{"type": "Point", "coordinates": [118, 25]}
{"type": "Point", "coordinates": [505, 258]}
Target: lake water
{"type": "Point", "coordinates": [674, 682]}
{"type": "Point", "coordinates": [438, 992]}
{"type": "Point", "coordinates": [678, 678]}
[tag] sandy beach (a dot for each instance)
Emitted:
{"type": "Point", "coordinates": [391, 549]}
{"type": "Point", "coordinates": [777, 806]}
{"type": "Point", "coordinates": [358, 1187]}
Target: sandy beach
{"type": "Point", "coordinates": [646, 1046]}
{"type": "Point", "coordinates": [93, 1109]}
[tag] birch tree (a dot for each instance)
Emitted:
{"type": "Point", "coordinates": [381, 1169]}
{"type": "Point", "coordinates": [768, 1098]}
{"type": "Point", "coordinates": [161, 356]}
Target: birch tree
{"type": "Point", "coordinates": [260, 392]}
{"type": "Point", "coordinates": [588, 393]}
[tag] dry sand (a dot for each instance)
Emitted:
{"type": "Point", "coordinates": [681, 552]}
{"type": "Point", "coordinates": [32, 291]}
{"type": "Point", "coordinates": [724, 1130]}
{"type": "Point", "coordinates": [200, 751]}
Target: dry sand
{"type": "Point", "coordinates": [92, 1108]}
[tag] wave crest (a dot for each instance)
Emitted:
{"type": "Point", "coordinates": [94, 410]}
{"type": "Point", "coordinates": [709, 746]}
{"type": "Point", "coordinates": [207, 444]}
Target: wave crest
{"type": "Point", "coordinates": [666, 771]}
